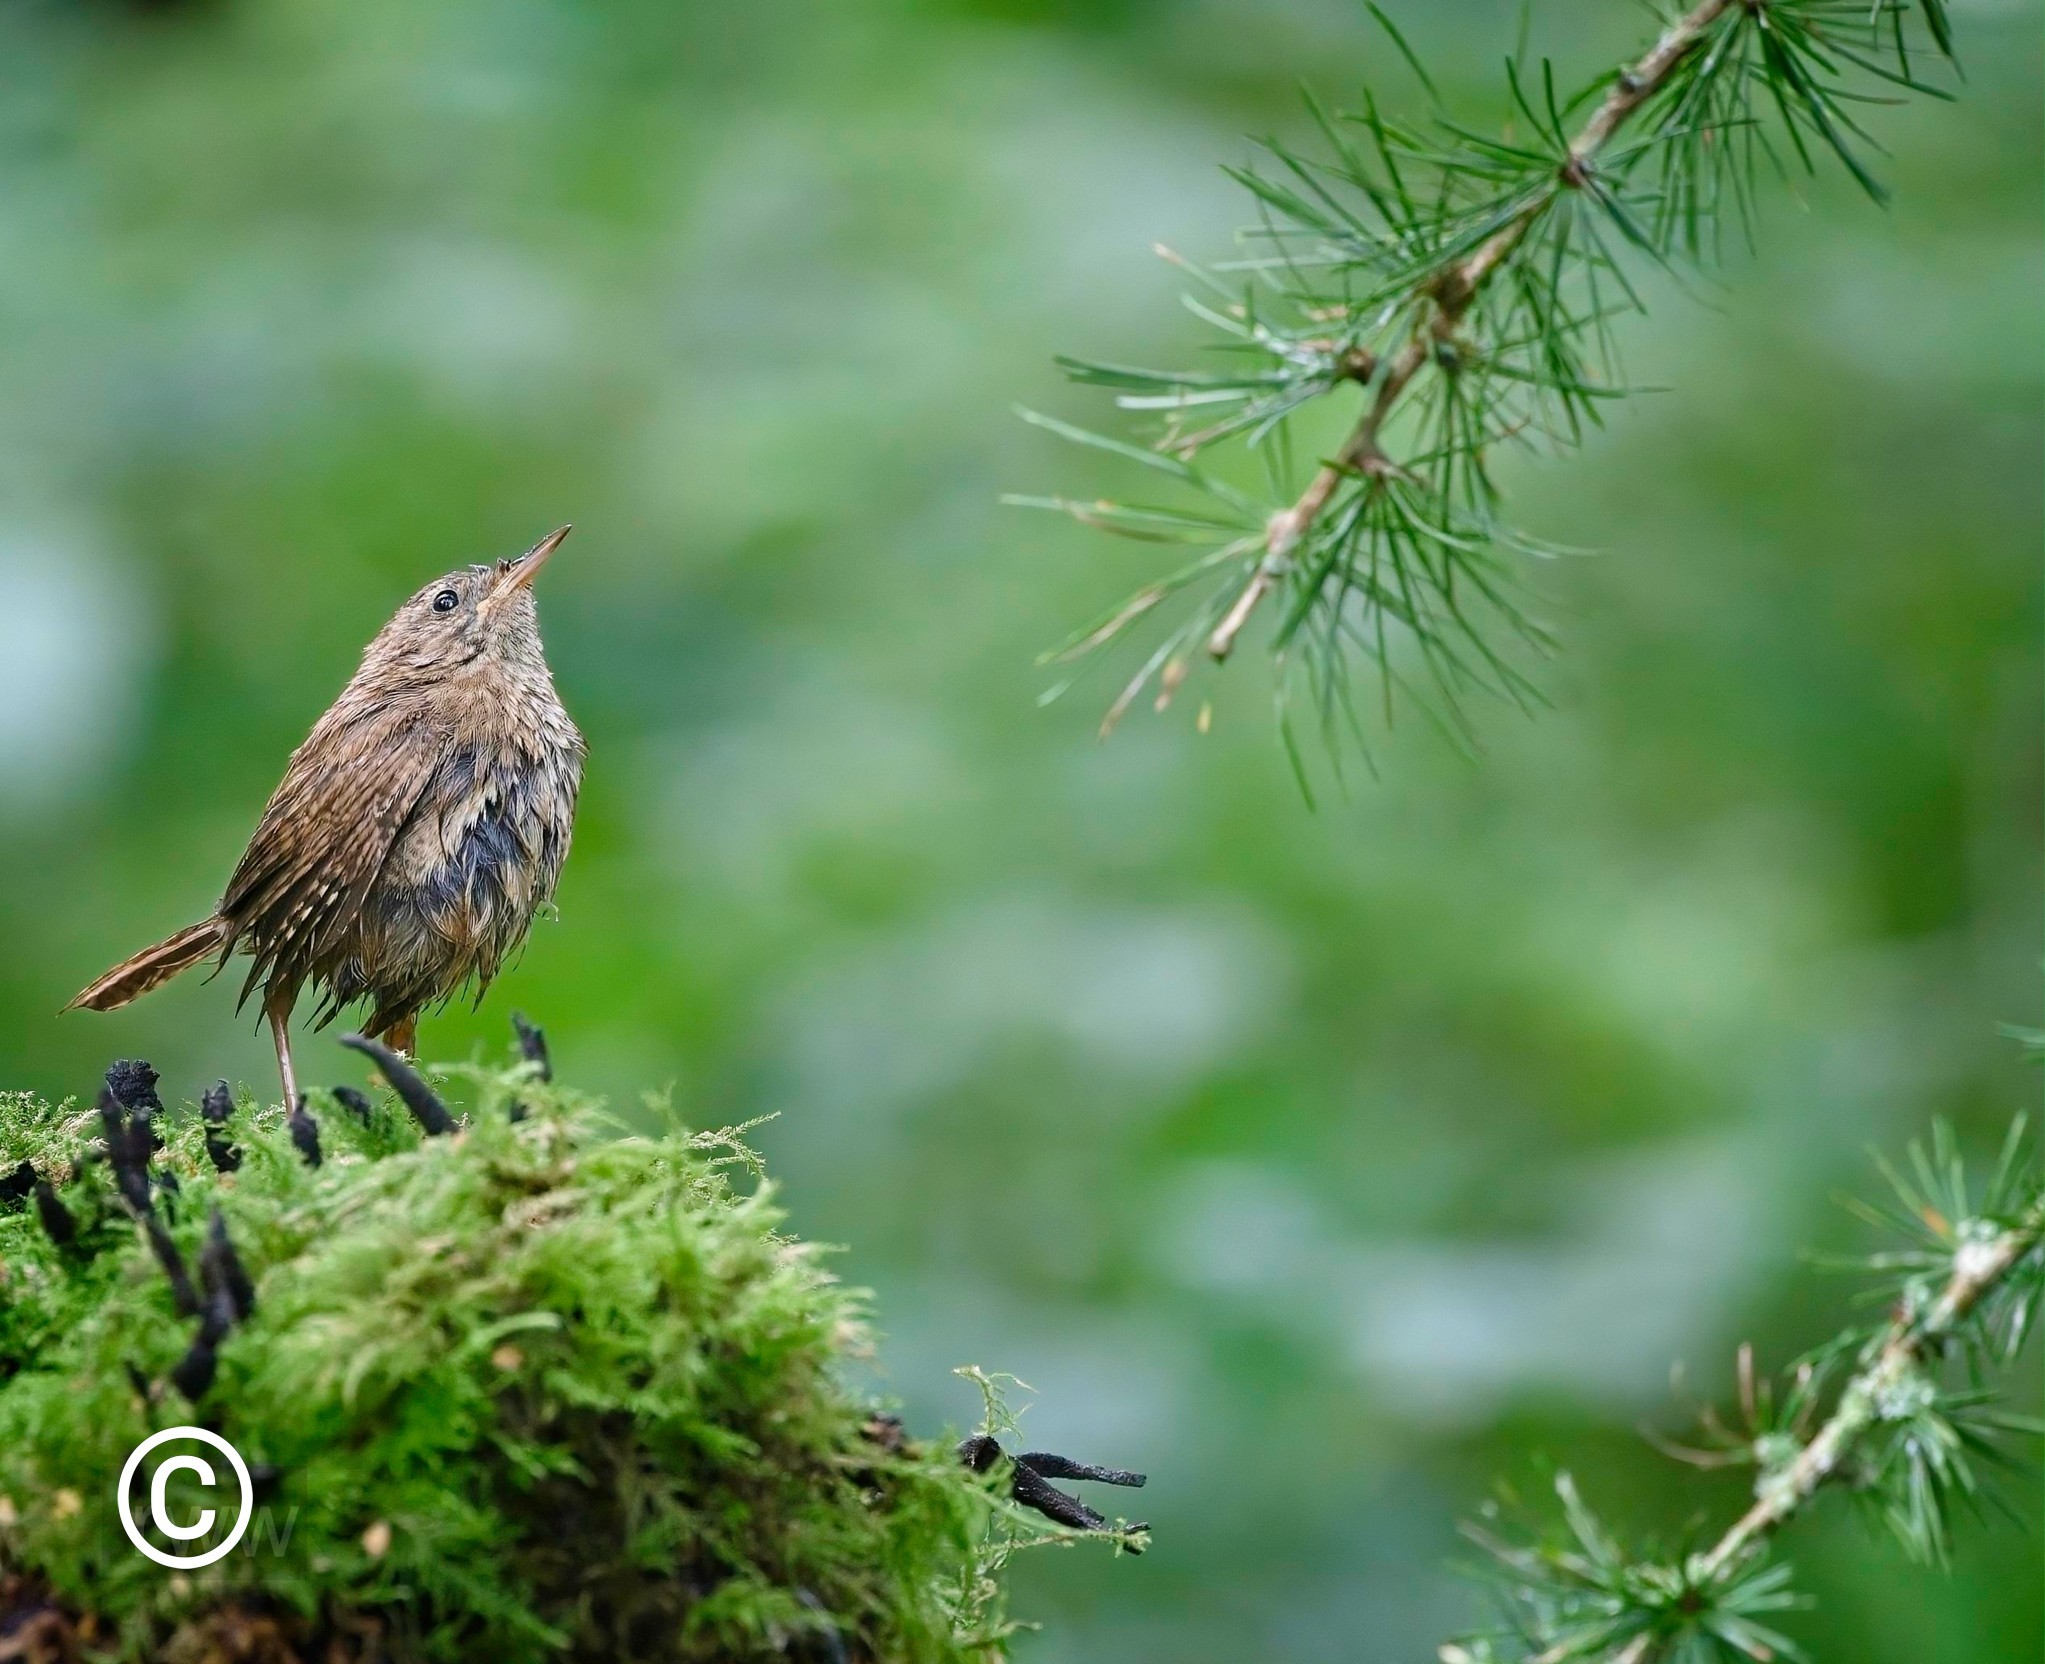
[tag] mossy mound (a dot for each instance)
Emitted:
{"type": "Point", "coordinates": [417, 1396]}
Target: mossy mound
{"type": "Point", "coordinates": [534, 1391]}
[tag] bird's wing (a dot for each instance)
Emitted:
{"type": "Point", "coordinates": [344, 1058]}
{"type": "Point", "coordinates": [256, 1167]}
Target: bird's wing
{"type": "Point", "coordinates": [325, 835]}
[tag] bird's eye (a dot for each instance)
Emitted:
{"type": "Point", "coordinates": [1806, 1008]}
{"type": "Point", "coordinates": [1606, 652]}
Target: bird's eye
{"type": "Point", "coordinates": [446, 601]}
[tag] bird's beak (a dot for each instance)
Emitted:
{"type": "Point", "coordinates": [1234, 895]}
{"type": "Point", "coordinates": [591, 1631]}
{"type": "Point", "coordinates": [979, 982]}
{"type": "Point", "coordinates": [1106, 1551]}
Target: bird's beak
{"type": "Point", "coordinates": [526, 568]}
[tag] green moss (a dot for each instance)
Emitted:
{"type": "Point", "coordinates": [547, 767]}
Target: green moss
{"type": "Point", "coordinates": [534, 1391]}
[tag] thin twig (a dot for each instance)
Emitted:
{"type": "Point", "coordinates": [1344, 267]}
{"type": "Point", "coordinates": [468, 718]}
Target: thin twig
{"type": "Point", "coordinates": [1451, 290]}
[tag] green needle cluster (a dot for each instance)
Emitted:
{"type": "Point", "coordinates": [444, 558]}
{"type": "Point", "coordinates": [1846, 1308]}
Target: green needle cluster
{"type": "Point", "coordinates": [1454, 292]}
{"type": "Point", "coordinates": [1900, 1414]}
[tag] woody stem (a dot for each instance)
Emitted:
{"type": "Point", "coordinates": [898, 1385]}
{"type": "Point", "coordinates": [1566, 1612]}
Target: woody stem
{"type": "Point", "coordinates": [1445, 296]}
{"type": "Point", "coordinates": [1910, 1341]}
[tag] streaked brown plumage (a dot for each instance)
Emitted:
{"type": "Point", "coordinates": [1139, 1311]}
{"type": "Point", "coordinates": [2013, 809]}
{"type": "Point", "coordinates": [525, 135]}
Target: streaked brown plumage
{"type": "Point", "coordinates": [416, 831]}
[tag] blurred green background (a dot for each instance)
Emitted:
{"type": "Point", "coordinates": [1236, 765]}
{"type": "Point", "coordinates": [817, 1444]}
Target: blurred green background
{"type": "Point", "coordinates": [1325, 1164]}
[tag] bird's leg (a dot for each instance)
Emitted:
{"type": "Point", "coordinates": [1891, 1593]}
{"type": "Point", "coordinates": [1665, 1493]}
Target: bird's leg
{"type": "Point", "coordinates": [403, 1035]}
{"type": "Point", "coordinates": [279, 1013]}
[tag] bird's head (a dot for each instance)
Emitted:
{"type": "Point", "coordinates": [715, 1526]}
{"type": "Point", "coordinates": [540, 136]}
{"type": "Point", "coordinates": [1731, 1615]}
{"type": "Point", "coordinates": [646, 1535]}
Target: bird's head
{"type": "Point", "coordinates": [474, 610]}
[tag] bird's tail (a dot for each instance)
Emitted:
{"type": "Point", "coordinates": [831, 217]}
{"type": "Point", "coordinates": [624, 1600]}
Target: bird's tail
{"type": "Point", "coordinates": [134, 977]}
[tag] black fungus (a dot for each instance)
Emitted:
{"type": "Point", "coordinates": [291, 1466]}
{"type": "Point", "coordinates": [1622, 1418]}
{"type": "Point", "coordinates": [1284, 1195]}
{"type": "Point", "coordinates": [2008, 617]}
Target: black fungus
{"type": "Point", "coordinates": [61, 1228]}
{"type": "Point", "coordinates": [305, 1132]}
{"type": "Point", "coordinates": [532, 1044]}
{"type": "Point", "coordinates": [173, 1263]}
{"type": "Point", "coordinates": [227, 1268]}
{"type": "Point", "coordinates": [217, 1106]}
{"type": "Point", "coordinates": [194, 1373]}
{"type": "Point", "coordinates": [17, 1187]}
{"type": "Point", "coordinates": [128, 1149]}
{"type": "Point", "coordinates": [133, 1083]}
{"type": "Point", "coordinates": [407, 1082]}
{"type": "Point", "coordinates": [1030, 1482]}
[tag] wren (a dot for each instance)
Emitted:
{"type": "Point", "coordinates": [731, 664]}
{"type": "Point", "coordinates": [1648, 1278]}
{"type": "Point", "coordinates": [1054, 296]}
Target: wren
{"type": "Point", "coordinates": [415, 833]}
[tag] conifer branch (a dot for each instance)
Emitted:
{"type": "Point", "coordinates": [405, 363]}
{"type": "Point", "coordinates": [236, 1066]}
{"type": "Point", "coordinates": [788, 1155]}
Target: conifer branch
{"type": "Point", "coordinates": [1897, 1432]}
{"type": "Point", "coordinates": [1465, 287]}
{"type": "Point", "coordinates": [1911, 1341]}
{"type": "Point", "coordinates": [1447, 294]}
